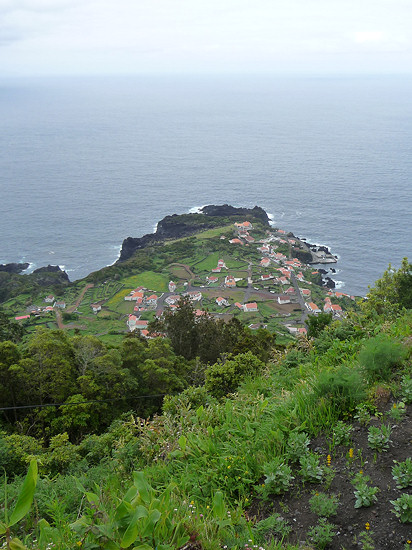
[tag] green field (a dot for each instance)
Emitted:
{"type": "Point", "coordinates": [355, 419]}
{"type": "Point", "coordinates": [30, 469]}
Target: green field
{"type": "Point", "coordinates": [149, 279]}
{"type": "Point", "coordinates": [216, 232]}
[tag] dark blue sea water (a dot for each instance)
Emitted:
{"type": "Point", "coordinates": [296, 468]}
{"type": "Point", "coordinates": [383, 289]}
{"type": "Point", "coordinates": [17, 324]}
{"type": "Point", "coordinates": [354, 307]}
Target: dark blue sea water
{"type": "Point", "coordinates": [85, 163]}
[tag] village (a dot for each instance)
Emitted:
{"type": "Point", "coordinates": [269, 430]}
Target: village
{"type": "Point", "coordinates": [287, 282]}
{"type": "Point", "coordinates": [254, 275]}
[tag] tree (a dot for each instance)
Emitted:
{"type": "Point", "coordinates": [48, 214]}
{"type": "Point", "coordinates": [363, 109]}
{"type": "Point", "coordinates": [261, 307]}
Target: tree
{"type": "Point", "coordinates": [391, 292]}
{"type": "Point", "coordinates": [180, 326]}
{"type": "Point", "coordinates": [317, 323]}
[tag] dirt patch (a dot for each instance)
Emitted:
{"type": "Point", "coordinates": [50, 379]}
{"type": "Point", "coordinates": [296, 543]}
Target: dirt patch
{"type": "Point", "coordinates": [385, 530]}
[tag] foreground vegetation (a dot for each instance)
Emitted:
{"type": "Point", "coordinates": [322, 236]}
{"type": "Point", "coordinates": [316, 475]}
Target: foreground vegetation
{"type": "Point", "coordinates": [255, 444]}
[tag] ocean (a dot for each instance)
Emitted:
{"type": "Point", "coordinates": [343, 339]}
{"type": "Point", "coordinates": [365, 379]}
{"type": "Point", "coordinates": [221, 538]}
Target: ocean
{"type": "Point", "coordinates": [87, 162]}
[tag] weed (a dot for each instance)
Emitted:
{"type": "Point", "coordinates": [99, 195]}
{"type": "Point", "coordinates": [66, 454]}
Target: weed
{"type": "Point", "coordinates": [397, 411]}
{"type": "Point", "coordinates": [323, 505]}
{"type": "Point", "coordinates": [406, 389]}
{"type": "Point", "coordinates": [310, 469]}
{"type": "Point", "coordinates": [365, 539]}
{"type": "Point", "coordinates": [364, 413]}
{"type": "Point", "coordinates": [273, 525]}
{"type": "Point", "coordinates": [297, 446]}
{"type": "Point", "coordinates": [402, 508]}
{"type": "Point", "coordinates": [402, 473]}
{"type": "Point", "coordinates": [379, 437]}
{"type": "Point", "coordinates": [278, 477]}
{"type": "Point", "coordinates": [365, 494]}
{"type": "Point", "coordinates": [322, 534]}
{"type": "Point", "coordinates": [341, 433]}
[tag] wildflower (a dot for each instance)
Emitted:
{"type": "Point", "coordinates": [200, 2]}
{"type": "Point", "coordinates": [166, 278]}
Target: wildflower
{"type": "Point", "coordinates": [328, 459]}
{"type": "Point", "coordinates": [207, 507]}
{"type": "Point", "coordinates": [367, 526]}
{"type": "Point", "coordinates": [350, 453]}
{"type": "Point", "coordinates": [361, 472]}
{"type": "Point", "coordinates": [228, 467]}
{"type": "Point", "coordinates": [394, 405]}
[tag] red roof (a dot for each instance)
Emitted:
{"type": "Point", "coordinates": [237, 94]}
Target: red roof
{"type": "Point", "coordinates": [251, 305]}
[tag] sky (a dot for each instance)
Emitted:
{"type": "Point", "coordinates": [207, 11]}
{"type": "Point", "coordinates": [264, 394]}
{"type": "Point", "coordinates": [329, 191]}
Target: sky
{"type": "Point", "coordinates": [77, 37]}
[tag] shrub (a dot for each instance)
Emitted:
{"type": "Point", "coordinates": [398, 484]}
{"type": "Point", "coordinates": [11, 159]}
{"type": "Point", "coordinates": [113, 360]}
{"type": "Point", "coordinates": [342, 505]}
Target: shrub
{"type": "Point", "coordinates": [402, 473]}
{"type": "Point", "coordinates": [342, 387]}
{"type": "Point", "coordinates": [323, 505]}
{"type": "Point", "coordinates": [402, 508]}
{"type": "Point", "coordinates": [380, 356]}
{"type": "Point", "coordinates": [224, 378]}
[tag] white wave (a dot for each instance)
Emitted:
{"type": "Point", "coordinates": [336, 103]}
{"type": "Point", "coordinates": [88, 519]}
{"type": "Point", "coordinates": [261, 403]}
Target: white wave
{"type": "Point", "coordinates": [282, 215]}
{"type": "Point", "coordinates": [196, 209]}
{"type": "Point", "coordinates": [155, 228]}
{"type": "Point", "coordinates": [31, 268]}
{"type": "Point", "coordinates": [338, 284]}
{"type": "Point", "coordinates": [118, 248]}
{"type": "Point", "coordinates": [62, 267]}
{"type": "Point", "coordinates": [52, 252]}
{"type": "Point", "coordinates": [298, 214]}
{"type": "Point", "coordinates": [271, 217]}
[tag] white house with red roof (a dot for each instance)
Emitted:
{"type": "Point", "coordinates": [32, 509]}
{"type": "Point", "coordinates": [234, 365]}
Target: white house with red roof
{"type": "Point", "coordinates": [221, 264]}
{"type": "Point", "coordinates": [172, 286]}
{"type": "Point", "coordinates": [265, 262]}
{"type": "Point", "coordinates": [236, 241]}
{"type": "Point", "coordinates": [230, 281]}
{"type": "Point", "coordinates": [251, 306]}
{"type": "Point", "coordinates": [283, 300]}
{"type": "Point", "coordinates": [239, 305]}
{"type": "Point", "coordinates": [194, 295]}
{"type": "Point", "coordinates": [22, 317]}
{"type": "Point", "coordinates": [49, 299]}
{"type": "Point", "coordinates": [266, 277]}
{"type": "Point", "coordinates": [312, 307]}
{"type": "Point", "coordinates": [305, 292]}
{"type": "Point", "coordinates": [222, 302]}
{"type": "Point", "coordinates": [96, 308]}
{"type": "Point", "coordinates": [173, 299]}
{"type": "Point", "coordinates": [290, 290]}
{"type": "Point", "coordinates": [152, 300]}
{"type": "Point", "coordinates": [212, 279]}
{"type": "Point", "coordinates": [134, 295]}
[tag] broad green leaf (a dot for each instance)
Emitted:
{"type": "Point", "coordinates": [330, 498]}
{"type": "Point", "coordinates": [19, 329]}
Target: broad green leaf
{"type": "Point", "coordinates": [132, 531]}
{"type": "Point", "coordinates": [79, 486]}
{"type": "Point", "coordinates": [151, 521]}
{"type": "Point", "coordinates": [16, 544]}
{"type": "Point", "coordinates": [218, 505]}
{"type": "Point", "coordinates": [26, 494]}
{"type": "Point", "coordinates": [182, 442]}
{"type": "Point", "coordinates": [3, 528]}
{"type": "Point", "coordinates": [142, 486]}
{"type": "Point", "coordinates": [92, 498]}
{"type": "Point", "coordinates": [143, 547]}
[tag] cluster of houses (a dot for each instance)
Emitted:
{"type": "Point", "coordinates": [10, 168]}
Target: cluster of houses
{"type": "Point", "coordinates": [144, 302]}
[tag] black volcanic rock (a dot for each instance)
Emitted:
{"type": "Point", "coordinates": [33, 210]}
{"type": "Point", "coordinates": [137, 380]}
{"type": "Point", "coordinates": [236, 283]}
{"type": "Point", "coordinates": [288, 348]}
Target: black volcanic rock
{"type": "Point", "coordinates": [60, 275]}
{"type": "Point", "coordinates": [329, 283]}
{"type": "Point", "coordinates": [227, 210]}
{"type": "Point", "coordinates": [14, 267]}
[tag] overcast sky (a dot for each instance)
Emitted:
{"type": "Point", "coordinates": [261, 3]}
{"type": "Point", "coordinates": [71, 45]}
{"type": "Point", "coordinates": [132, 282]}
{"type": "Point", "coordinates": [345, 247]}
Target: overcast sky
{"type": "Point", "coordinates": [49, 37]}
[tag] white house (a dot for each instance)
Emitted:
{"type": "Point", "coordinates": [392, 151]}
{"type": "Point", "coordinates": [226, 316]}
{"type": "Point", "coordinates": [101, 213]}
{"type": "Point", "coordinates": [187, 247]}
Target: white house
{"type": "Point", "coordinates": [251, 306]}
{"type": "Point", "coordinates": [172, 286]}
{"type": "Point", "coordinates": [283, 300]}
{"type": "Point", "coordinates": [222, 301]}
{"type": "Point", "coordinates": [96, 308]}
